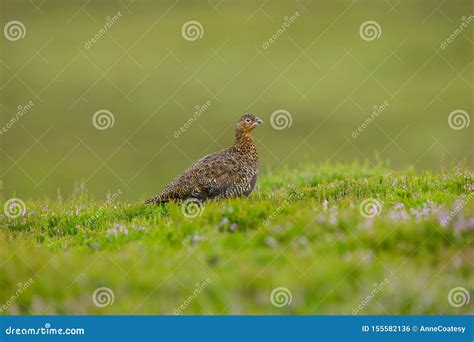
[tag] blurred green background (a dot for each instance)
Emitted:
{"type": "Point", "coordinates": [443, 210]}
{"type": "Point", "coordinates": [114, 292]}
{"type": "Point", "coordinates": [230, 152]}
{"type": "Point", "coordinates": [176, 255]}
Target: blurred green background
{"type": "Point", "coordinates": [143, 71]}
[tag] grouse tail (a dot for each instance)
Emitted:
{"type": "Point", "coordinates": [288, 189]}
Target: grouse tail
{"type": "Point", "coordinates": [156, 200]}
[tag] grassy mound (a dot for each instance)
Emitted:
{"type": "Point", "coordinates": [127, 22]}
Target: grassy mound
{"type": "Point", "coordinates": [340, 239]}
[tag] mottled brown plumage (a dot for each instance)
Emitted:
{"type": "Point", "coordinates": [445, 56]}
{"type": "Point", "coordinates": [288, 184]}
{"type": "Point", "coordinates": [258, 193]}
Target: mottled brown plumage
{"type": "Point", "coordinates": [229, 173]}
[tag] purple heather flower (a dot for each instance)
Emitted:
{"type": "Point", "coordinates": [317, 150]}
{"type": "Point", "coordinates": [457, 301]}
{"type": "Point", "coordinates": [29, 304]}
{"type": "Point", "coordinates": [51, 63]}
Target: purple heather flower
{"type": "Point", "coordinates": [325, 204]}
{"type": "Point", "coordinates": [417, 213]}
{"type": "Point", "coordinates": [369, 223]}
{"type": "Point", "coordinates": [321, 219]}
{"type": "Point", "coordinates": [270, 241]}
{"type": "Point", "coordinates": [139, 228]}
{"type": "Point", "coordinates": [224, 221]}
{"type": "Point", "coordinates": [426, 210]}
{"type": "Point", "coordinates": [116, 229]}
{"type": "Point", "coordinates": [195, 238]}
{"type": "Point", "coordinates": [398, 206]}
{"type": "Point", "coordinates": [303, 240]}
{"type": "Point", "coordinates": [463, 224]}
{"type": "Point", "coordinates": [123, 229]}
{"type": "Point", "coordinates": [443, 218]}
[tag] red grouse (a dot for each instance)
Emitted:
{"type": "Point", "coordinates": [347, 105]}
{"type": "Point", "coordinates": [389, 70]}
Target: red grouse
{"type": "Point", "coordinates": [229, 173]}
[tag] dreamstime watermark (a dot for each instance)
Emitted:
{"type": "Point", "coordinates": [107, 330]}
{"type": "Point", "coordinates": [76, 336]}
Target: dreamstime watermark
{"type": "Point", "coordinates": [281, 119]}
{"type": "Point", "coordinates": [21, 110]}
{"type": "Point", "coordinates": [192, 208]}
{"type": "Point", "coordinates": [377, 110]}
{"type": "Point", "coordinates": [14, 208]}
{"type": "Point", "coordinates": [107, 203]}
{"type": "Point", "coordinates": [370, 30]}
{"type": "Point", "coordinates": [465, 23]}
{"type": "Point", "coordinates": [370, 207]}
{"type": "Point", "coordinates": [14, 30]}
{"type": "Point", "coordinates": [377, 287]}
{"type": "Point", "coordinates": [458, 296]}
{"type": "Point", "coordinates": [280, 297]}
{"type": "Point", "coordinates": [293, 197]}
{"type": "Point", "coordinates": [286, 24]}
{"type": "Point", "coordinates": [199, 110]}
{"type": "Point", "coordinates": [110, 21]}
{"type": "Point", "coordinates": [459, 119]}
{"type": "Point", "coordinates": [103, 119]}
{"type": "Point", "coordinates": [103, 296]}
{"type": "Point", "coordinates": [21, 288]}
{"type": "Point", "coordinates": [457, 208]}
{"type": "Point", "coordinates": [192, 30]}
{"type": "Point", "coordinates": [197, 290]}
{"type": "Point", "coordinates": [46, 330]}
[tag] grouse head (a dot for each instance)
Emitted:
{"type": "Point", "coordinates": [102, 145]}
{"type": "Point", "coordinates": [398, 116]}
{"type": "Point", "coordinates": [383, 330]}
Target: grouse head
{"type": "Point", "coordinates": [246, 124]}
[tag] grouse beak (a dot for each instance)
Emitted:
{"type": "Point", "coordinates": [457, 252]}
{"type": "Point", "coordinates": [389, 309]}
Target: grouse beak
{"type": "Point", "coordinates": [259, 121]}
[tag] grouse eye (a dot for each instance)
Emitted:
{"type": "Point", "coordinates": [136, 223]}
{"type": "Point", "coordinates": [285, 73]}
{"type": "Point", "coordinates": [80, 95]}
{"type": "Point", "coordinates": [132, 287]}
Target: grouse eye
{"type": "Point", "coordinates": [248, 120]}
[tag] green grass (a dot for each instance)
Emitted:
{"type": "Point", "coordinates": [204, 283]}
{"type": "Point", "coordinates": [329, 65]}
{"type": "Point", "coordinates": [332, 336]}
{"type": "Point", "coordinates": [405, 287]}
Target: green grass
{"type": "Point", "coordinates": [301, 229]}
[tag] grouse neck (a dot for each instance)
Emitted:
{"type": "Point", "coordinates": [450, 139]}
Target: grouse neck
{"type": "Point", "coordinates": [243, 139]}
